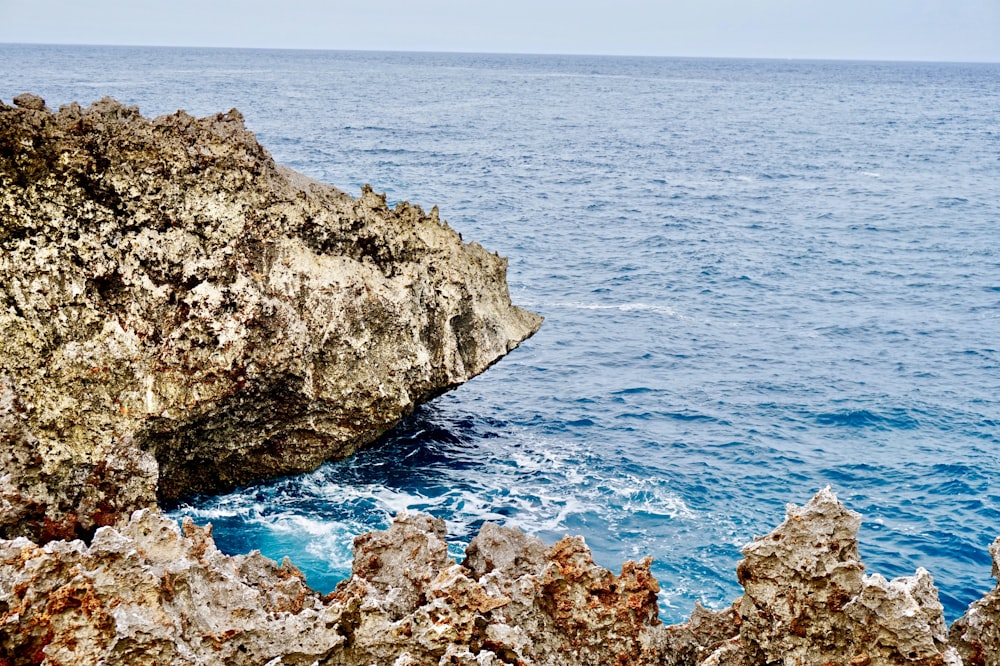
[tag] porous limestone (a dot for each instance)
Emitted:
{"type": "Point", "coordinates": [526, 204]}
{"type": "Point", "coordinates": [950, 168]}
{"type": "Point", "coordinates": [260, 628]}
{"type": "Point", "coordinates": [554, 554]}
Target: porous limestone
{"type": "Point", "coordinates": [807, 600]}
{"type": "Point", "coordinates": [152, 592]}
{"type": "Point", "coordinates": [180, 314]}
{"type": "Point", "coordinates": [976, 635]}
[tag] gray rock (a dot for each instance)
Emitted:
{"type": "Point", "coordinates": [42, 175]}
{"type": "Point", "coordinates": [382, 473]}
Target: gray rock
{"type": "Point", "coordinates": [513, 601]}
{"type": "Point", "coordinates": [177, 311]}
{"type": "Point", "coordinates": [150, 594]}
{"type": "Point", "coordinates": [504, 548]}
{"type": "Point", "coordinates": [807, 599]}
{"type": "Point", "coordinates": [976, 635]}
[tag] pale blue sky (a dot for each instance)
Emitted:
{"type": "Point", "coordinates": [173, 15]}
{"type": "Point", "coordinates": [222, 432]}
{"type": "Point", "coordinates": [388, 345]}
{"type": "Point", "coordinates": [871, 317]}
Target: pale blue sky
{"type": "Point", "coordinates": [962, 30]}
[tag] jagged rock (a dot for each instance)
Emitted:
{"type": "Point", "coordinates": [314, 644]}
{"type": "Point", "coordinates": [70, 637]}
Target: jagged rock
{"type": "Point", "coordinates": [807, 600]}
{"type": "Point", "coordinates": [179, 312]}
{"type": "Point", "coordinates": [512, 601]}
{"type": "Point", "coordinates": [976, 635]}
{"type": "Point", "coordinates": [709, 637]}
{"type": "Point", "coordinates": [150, 594]}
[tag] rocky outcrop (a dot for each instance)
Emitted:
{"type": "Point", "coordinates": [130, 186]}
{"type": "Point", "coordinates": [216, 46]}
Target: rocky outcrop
{"type": "Point", "coordinates": [512, 601]}
{"type": "Point", "coordinates": [180, 314]}
{"type": "Point", "coordinates": [976, 635]}
{"type": "Point", "coordinates": [807, 600]}
{"type": "Point", "coordinates": [152, 592]}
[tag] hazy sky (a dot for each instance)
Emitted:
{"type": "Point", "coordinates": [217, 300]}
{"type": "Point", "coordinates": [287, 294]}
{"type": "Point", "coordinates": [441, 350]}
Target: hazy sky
{"type": "Point", "coordinates": [964, 30]}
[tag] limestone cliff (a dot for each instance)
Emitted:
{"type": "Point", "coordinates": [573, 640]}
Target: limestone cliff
{"type": "Point", "coordinates": [179, 314]}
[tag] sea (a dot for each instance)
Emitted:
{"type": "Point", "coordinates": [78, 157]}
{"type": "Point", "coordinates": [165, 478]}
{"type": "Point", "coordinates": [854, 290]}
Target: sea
{"type": "Point", "coordinates": [759, 278]}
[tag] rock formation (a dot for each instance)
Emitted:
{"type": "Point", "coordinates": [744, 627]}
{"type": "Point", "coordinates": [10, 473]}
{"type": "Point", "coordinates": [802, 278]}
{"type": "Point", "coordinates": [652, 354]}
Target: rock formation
{"type": "Point", "coordinates": [180, 314]}
{"type": "Point", "coordinates": [976, 635]}
{"type": "Point", "coordinates": [151, 592]}
{"type": "Point", "coordinates": [513, 600]}
{"type": "Point", "coordinates": [807, 600]}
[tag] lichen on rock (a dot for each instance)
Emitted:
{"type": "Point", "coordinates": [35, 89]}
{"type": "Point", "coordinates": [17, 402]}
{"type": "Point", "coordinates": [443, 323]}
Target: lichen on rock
{"type": "Point", "coordinates": [179, 312]}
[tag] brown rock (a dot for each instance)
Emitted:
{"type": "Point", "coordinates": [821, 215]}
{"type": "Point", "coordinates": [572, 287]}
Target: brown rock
{"type": "Point", "coordinates": [148, 594]}
{"type": "Point", "coordinates": [29, 101]}
{"type": "Point", "coordinates": [709, 637]}
{"type": "Point", "coordinates": [512, 601]}
{"type": "Point", "coordinates": [151, 593]}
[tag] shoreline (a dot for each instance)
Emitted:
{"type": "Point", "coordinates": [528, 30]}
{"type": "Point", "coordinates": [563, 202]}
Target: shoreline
{"type": "Point", "coordinates": [152, 591]}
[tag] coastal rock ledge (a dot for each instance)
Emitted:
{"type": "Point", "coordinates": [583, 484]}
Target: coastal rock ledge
{"type": "Point", "coordinates": [151, 592]}
{"type": "Point", "coordinates": [180, 314]}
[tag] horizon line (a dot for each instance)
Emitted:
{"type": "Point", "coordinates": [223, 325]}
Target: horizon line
{"type": "Point", "coordinates": [513, 53]}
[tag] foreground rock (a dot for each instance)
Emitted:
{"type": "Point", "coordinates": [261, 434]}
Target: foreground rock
{"type": "Point", "coordinates": [149, 595]}
{"type": "Point", "coordinates": [807, 600]}
{"type": "Point", "coordinates": [976, 635]}
{"type": "Point", "coordinates": [151, 592]}
{"type": "Point", "coordinates": [180, 314]}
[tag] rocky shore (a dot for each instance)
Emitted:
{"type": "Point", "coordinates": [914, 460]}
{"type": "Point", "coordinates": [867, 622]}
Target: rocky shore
{"type": "Point", "coordinates": [180, 314]}
{"type": "Point", "coordinates": [150, 592]}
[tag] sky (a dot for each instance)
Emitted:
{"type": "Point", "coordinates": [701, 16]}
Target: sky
{"type": "Point", "coordinates": [941, 30]}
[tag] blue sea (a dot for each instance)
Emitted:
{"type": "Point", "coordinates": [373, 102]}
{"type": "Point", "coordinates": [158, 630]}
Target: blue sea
{"type": "Point", "coordinates": [759, 278]}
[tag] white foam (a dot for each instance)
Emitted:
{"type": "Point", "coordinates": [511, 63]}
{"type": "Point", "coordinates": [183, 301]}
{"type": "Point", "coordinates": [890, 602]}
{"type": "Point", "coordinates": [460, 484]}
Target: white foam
{"type": "Point", "coordinates": [542, 485]}
{"type": "Point", "coordinates": [654, 308]}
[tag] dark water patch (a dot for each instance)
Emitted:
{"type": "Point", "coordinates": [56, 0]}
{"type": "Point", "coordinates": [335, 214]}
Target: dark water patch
{"type": "Point", "coordinates": [896, 419]}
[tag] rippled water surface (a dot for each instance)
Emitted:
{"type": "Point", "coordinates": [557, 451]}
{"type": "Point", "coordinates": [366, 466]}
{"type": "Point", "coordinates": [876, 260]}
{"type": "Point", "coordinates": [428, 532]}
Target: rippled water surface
{"type": "Point", "coordinates": [758, 278]}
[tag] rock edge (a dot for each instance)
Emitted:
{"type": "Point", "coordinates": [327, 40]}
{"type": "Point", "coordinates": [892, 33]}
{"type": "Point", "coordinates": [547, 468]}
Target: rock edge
{"type": "Point", "coordinates": [180, 314]}
{"type": "Point", "coordinates": [151, 592]}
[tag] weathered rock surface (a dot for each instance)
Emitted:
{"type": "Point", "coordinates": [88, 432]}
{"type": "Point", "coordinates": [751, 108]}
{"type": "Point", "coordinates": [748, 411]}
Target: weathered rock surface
{"type": "Point", "coordinates": [180, 314]}
{"type": "Point", "coordinates": [151, 592]}
{"type": "Point", "coordinates": [808, 601]}
{"type": "Point", "coordinates": [513, 600]}
{"type": "Point", "coordinates": [976, 635]}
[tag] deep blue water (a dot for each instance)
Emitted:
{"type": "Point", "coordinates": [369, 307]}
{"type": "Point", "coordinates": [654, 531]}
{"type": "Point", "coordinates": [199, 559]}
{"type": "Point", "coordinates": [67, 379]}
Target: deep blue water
{"type": "Point", "coordinates": [758, 278]}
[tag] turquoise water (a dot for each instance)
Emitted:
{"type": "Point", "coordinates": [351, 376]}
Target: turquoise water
{"type": "Point", "coordinates": [758, 278]}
